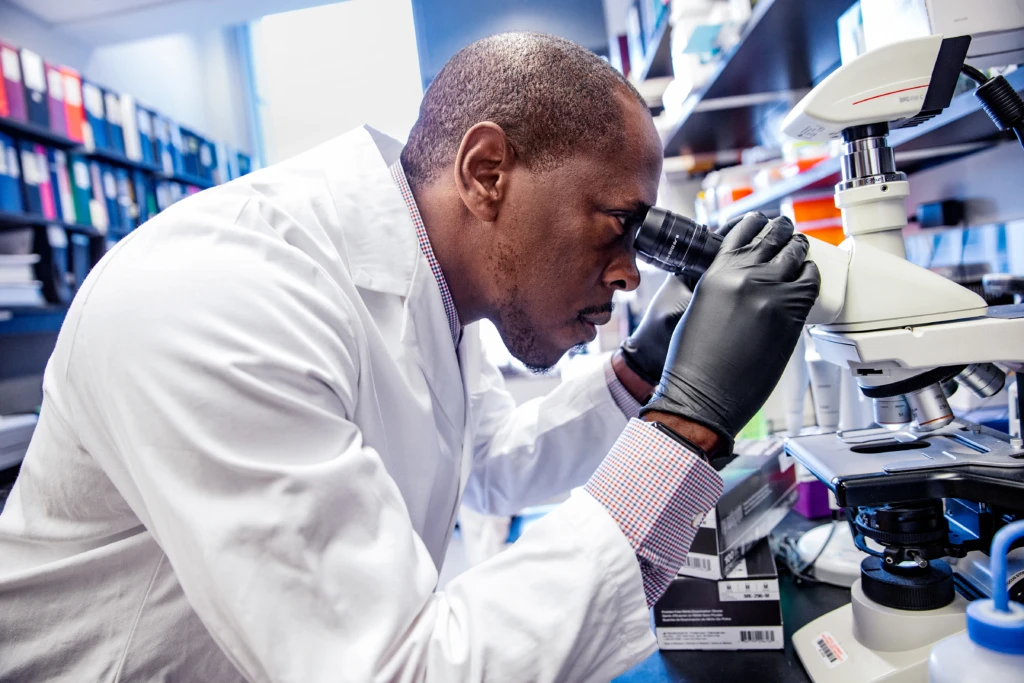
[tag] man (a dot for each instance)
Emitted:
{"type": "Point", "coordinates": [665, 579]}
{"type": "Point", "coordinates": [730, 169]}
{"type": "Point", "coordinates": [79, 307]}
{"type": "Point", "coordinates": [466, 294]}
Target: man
{"type": "Point", "coordinates": [266, 404]}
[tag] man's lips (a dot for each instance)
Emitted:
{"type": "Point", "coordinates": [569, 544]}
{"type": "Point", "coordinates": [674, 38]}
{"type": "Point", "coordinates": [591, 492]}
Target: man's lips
{"type": "Point", "coordinates": [596, 319]}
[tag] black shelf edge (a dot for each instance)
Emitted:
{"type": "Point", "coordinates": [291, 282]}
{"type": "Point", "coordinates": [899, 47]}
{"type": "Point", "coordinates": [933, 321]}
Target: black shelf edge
{"type": "Point", "coordinates": [15, 220]}
{"type": "Point", "coordinates": [187, 179]}
{"type": "Point", "coordinates": [658, 60]}
{"type": "Point", "coordinates": [36, 133]}
{"type": "Point", "coordinates": [756, 65]}
{"type": "Point", "coordinates": [826, 174]}
{"type": "Point", "coordinates": [119, 159]}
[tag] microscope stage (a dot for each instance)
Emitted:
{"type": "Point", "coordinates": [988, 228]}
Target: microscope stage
{"type": "Point", "coordinates": [877, 466]}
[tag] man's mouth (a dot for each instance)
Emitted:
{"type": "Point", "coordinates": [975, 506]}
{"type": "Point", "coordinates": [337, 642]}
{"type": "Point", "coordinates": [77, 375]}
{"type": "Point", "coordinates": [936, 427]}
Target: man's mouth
{"type": "Point", "coordinates": [596, 319]}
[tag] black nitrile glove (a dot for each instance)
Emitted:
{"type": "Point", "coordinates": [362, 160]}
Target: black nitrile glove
{"type": "Point", "coordinates": [739, 331]}
{"type": "Point", "coordinates": [645, 350]}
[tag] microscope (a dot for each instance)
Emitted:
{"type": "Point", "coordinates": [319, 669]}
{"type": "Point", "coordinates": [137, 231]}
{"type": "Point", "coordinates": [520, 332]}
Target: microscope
{"type": "Point", "coordinates": [922, 489]}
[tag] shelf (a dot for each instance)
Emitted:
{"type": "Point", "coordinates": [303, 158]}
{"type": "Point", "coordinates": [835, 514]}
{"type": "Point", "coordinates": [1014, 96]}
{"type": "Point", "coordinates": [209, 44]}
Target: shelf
{"type": "Point", "coordinates": [961, 129]}
{"type": "Point", "coordinates": [31, 131]}
{"type": "Point", "coordinates": [18, 220]}
{"type": "Point", "coordinates": [32, 319]}
{"type": "Point", "coordinates": [119, 159]}
{"type": "Point", "coordinates": [759, 80]}
{"type": "Point", "coordinates": [658, 60]}
{"type": "Point", "coordinates": [187, 179]}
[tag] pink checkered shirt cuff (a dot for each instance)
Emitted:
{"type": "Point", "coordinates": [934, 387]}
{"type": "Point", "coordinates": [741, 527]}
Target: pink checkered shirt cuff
{"type": "Point", "coordinates": [629, 406]}
{"type": "Point", "coordinates": [658, 493]}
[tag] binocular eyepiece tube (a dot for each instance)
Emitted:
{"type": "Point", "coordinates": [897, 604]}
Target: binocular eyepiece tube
{"type": "Point", "coordinates": [675, 243]}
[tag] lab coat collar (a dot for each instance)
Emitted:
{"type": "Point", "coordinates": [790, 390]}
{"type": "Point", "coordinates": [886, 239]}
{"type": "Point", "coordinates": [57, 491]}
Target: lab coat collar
{"type": "Point", "coordinates": [383, 253]}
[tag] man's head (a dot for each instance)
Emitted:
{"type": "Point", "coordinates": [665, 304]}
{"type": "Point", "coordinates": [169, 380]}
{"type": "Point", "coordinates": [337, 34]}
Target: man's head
{"type": "Point", "coordinates": [531, 151]}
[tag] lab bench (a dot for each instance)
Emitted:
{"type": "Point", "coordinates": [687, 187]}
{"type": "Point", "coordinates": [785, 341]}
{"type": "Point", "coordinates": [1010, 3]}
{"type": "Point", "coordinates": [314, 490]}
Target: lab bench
{"type": "Point", "coordinates": [801, 604]}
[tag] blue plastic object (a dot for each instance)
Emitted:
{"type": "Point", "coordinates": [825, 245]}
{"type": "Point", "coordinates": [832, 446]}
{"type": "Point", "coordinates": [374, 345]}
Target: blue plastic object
{"type": "Point", "coordinates": [998, 624]}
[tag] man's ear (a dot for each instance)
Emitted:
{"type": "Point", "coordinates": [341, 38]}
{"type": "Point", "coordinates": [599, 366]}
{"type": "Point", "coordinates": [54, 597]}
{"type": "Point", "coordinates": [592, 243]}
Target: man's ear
{"type": "Point", "coordinates": [482, 169]}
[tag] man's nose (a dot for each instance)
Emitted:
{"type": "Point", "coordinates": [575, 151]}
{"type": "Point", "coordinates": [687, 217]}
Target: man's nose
{"type": "Point", "coordinates": [622, 273]}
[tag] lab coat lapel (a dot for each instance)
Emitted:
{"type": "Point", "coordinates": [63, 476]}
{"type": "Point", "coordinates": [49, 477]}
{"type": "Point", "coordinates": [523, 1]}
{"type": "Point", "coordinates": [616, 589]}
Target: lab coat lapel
{"type": "Point", "coordinates": [429, 340]}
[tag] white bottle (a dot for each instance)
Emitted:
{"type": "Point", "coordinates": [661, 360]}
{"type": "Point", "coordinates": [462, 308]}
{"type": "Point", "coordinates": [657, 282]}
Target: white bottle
{"type": "Point", "coordinates": [992, 649]}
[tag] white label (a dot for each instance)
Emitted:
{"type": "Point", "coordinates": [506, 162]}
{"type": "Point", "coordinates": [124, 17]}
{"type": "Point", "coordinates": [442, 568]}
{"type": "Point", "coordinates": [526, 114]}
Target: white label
{"type": "Point", "coordinates": [720, 638]}
{"type": "Point", "coordinates": [739, 571]}
{"type": "Point", "coordinates": [703, 566]}
{"type": "Point", "coordinates": [113, 104]}
{"type": "Point", "coordinates": [750, 590]}
{"type": "Point", "coordinates": [12, 163]}
{"type": "Point", "coordinates": [81, 171]}
{"type": "Point", "coordinates": [3, 159]}
{"type": "Point", "coordinates": [175, 134]}
{"type": "Point", "coordinates": [43, 166]}
{"type": "Point", "coordinates": [28, 167]}
{"type": "Point", "coordinates": [93, 100]}
{"type": "Point", "coordinates": [55, 82]}
{"type": "Point", "coordinates": [34, 71]}
{"type": "Point", "coordinates": [830, 650]}
{"type": "Point", "coordinates": [163, 132]}
{"type": "Point", "coordinates": [58, 238]}
{"type": "Point", "coordinates": [145, 123]}
{"type": "Point", "coordinates": [109, 185]}
{"type": "Point", "coordinates": [205, 157]}
{"type": "Point", "coordinates": [72, 90]}
{"type": "Point", "coordinates": [11, 64]}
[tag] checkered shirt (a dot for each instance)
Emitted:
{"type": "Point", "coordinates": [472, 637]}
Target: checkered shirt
{"type": "Point", "coordinates": [658, 493]}
{"type": "Point", "coordinates": [629, 406]}
{"type": "Point", "coordinates": [398, 174]}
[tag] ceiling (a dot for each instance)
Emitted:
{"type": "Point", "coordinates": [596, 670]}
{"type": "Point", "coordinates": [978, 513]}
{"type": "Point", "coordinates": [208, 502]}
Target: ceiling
{"type": "Point", "coordinates": [102, 22]}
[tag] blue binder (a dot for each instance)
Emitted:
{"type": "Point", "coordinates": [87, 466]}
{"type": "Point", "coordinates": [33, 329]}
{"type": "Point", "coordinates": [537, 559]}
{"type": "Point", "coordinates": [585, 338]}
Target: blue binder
{"type": "Point", "coordinates": [10, 176]}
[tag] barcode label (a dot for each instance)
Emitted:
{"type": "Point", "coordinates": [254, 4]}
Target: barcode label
{"type": "Point", "coordinates": [701, 563]}
{"type": "Point", "coordinates": [830, 650]}
{"type": "Point", "coordinates": [757, 636]}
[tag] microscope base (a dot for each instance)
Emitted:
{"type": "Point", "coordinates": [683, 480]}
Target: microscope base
{"type": "Point", "coordinates": [831, 653]}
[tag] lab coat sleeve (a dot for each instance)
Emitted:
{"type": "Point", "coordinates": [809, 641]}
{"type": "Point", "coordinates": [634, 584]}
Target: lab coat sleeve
{"type": "Point", "coordinates": [524, 455]}
{"type": "Point", "coordinates": [228, 434]}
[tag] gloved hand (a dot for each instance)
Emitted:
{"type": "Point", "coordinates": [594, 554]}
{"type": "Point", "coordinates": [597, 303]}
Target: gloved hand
{"type": "Point", "coordinates": [746, 315]}
{"type": "Point", "coordinates": [644, 352]}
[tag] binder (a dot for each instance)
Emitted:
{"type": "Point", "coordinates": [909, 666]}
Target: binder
{"type": "Point", "coordinates": [46, 190]}
{"type": "Point", "coordinates": [74, 112]}
{"type": "Point", "coordinates": [207, 159]}
{"type": "Point", "coordinates": [60, 178]}
{"type": "Point", "coordinates": [144, 122]}
{"type": "Point", "coordinates": [244, 164]}
{"type": "Point", "coordinates": [10, 63]}
{"type": "Point", "coordinates": [130, 126]}
{"type": "Point", "coordinates": [33, 74]}
{"type": "Point", "coordinates": [145, 197]}
{"type": "Point", "coordinates": [81, 259]}
{"type": "Point", "coordinates": [53, 266]}
{"type": "Point", "coordinates": [55, 99]}
{"type": "Point", "coordinates": [125, 201]}
{"type": "Point", "coordinates": [81, 188]}
{"type": "Point", "coordinates": [177, 147]}
{"type": "Point", "coordinates": [98, 201]}
{"type": "Point", "coordinates": [190, 144]}
{"type": "Point", "coordinates": [10, 176]}
{"type": "Point", "coordinates": [115, 132]}
{"type": "Point", "coordinates": [30, 178]}
{"type": "Point", "coordinates": [108, 183]}
{"type": "Point", "coordinates": [95, 131]}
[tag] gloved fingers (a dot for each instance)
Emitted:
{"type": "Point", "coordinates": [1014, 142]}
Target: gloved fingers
{"type": "Point", "coordinates": [724, 230]}
{"type": "Point", "coordinates": [772, 239]}
{"type": "Point", "coordinates": [744, 231]}
{"type": "Point", "coordinates": [786, 265]}
{"type": "Point", "coordinates": [810, 278]}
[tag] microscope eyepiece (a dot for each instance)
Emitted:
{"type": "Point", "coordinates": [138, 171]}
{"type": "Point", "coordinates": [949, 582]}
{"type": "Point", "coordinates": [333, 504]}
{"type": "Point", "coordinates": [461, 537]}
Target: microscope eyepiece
{"type": "Point", "coordinates": [675, 243]}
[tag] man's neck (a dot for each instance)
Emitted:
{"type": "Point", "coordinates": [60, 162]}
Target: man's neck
{"type": "Point", "coordinates": [453, 247]}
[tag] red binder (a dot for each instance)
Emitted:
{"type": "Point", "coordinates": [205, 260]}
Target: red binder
{"type": "Point", "coordinates": [74, 111]}
{"type": "Point", "coordinates": [10, 63]}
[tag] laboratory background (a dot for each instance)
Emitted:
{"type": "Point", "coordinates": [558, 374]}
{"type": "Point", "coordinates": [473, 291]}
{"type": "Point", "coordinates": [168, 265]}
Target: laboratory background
{"type": "Point", "coordinates": [857, 524]}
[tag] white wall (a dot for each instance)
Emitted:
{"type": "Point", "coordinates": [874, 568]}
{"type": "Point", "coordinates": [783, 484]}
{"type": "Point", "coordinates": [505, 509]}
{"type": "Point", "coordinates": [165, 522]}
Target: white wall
{"type": "Point", "coordinates": [326, 70]}
{"type": "Point", "coordinates": [195, 79]}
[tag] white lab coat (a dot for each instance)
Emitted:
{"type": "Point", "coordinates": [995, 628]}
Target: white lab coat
{"type": "Point", "coordinates": [252, 448]}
